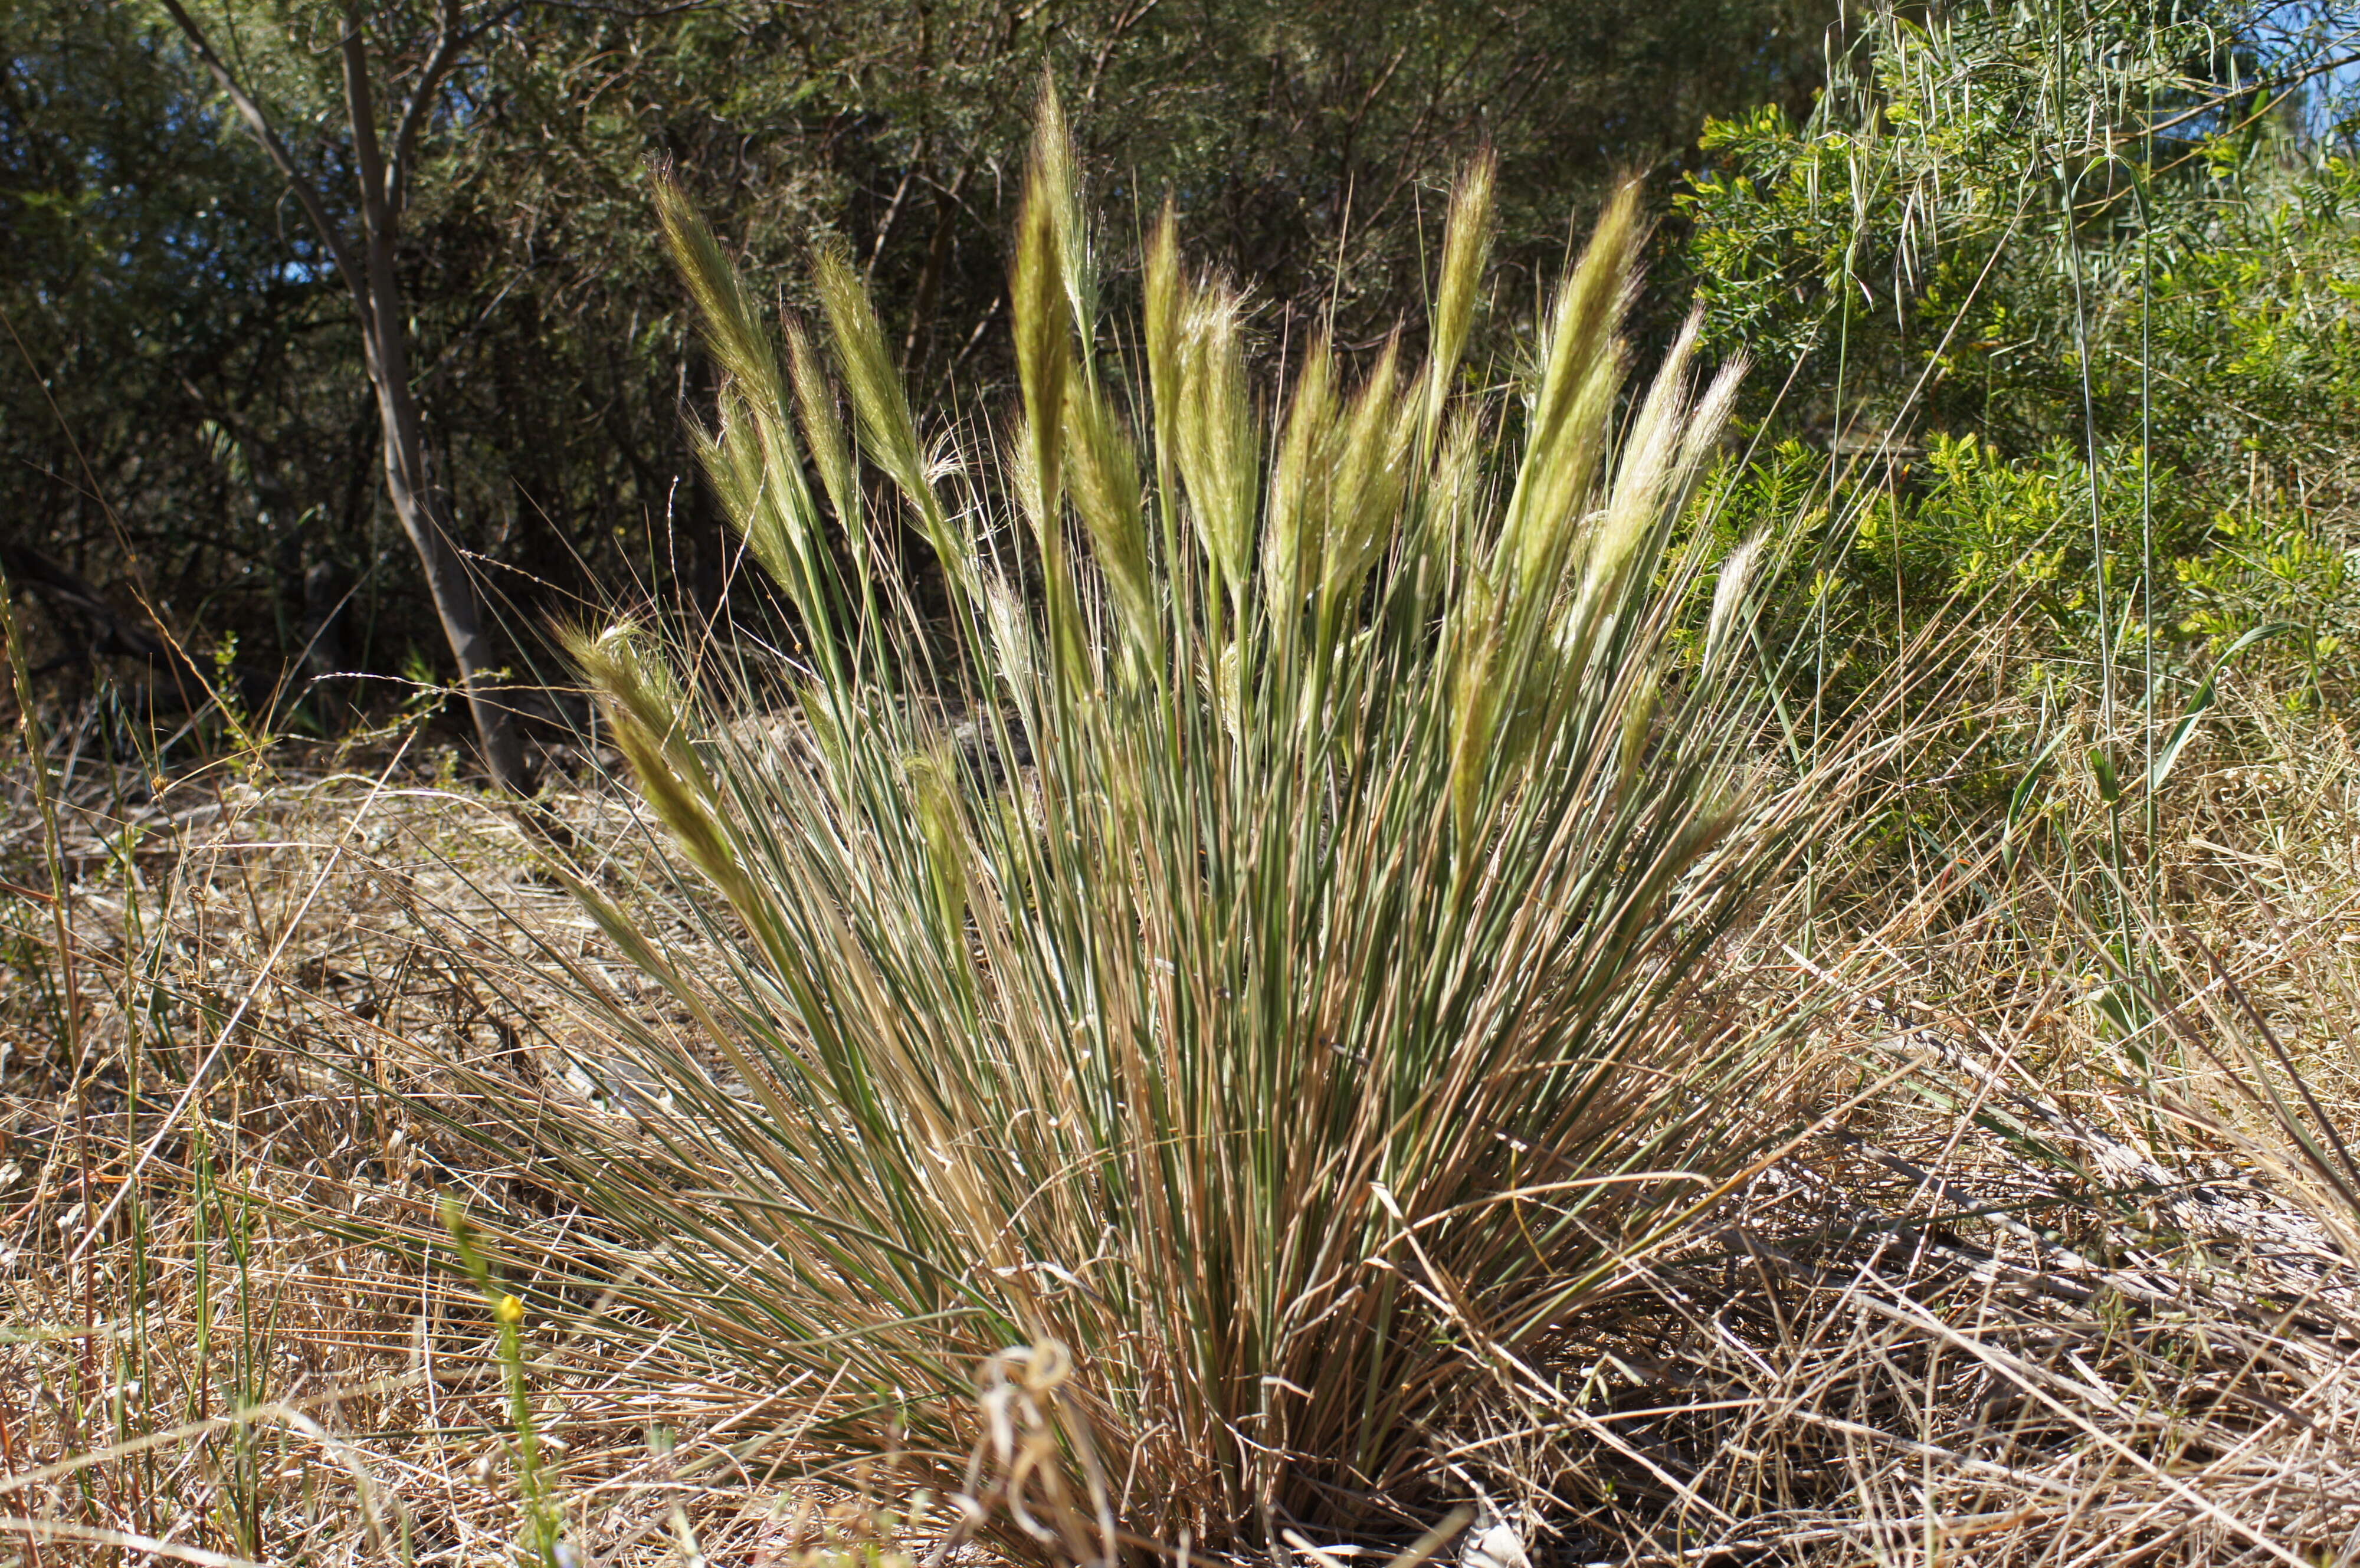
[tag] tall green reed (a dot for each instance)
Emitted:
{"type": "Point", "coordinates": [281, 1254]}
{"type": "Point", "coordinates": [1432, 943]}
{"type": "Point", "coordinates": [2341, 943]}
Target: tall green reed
{"type": "Point", "coordinates": [1256, 931]}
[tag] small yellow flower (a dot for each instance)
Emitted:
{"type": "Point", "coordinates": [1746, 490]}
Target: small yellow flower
{"type": "Point", "coordinates": [511, 1310]}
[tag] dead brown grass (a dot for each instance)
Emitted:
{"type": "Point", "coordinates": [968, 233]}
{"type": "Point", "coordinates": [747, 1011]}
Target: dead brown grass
{"type": "Point", "coordinates": [1997, 1309]}
{"type": "Point", "coordinates": [195, 1362]}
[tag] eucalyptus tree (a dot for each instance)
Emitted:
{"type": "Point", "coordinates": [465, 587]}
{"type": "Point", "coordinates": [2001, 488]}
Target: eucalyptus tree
{"type": "Point", "coordinates": [359, 235]}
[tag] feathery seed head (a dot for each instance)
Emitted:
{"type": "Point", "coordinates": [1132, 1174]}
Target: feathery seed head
{"type": "Point", "coordinates": [1015, 655]}
{"type": "Point", "coordinates": [934, 777]}
{"type": "Point", "coordinates": [824, 433]}
{"type": "Point", "coordinates": [753, 461]}
{"type": "Point", "coordinates": [1106, 486]}
{"type": "Point", "coordinates": [1649, 465]}
{"type": "Point", "coordinates": [1706, 423]}
{"type": "Point", "coordinates": [1639, 710]}
{"type": "Point", "coordinates": [1454, 493]}
{"type": "Point", "coordinates": [1474, 702]}
{"type": "Point", "coordinates": [632, 681]}
{"type": "Point", "coordinates": [1573, 404]}
{"type": "Point", "coordinates": [1727, 600]}
{"type": "Point", "coordinates": [1053, 183]}
{"type": "Point", "coordinates": [1300, 485]}
{"type": "Point", "coordinates": [1370, 476]}
{"type": "Point", "coordinates": [1044, 357]}
{"type": "Point", "coordinates": [1220, 444]}
{"type": "Point", "coordinates": [732, 327]}
{"type": "Point", "coordinates": [649, 709]}
{"type": "Point", "coordinates": [1163, 297]}
{"type": "Point", "coordinates": [880, 404]}
{"type": "Point", "coordinates": [1466, 251]}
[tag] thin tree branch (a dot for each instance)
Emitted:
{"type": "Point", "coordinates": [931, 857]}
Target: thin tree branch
{"type": "Point", "coordinates": [1115, 34]}
{"type": "Point", "coordinates": [306, 194]}
{"type": "Point", "coordinates": [448, 41]}
{"type": "Point", "coordinates": [2276, 88]}
{"type": "Point", "coordinates": [360, 108]}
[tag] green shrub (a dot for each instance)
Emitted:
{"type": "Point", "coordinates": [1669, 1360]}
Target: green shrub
{"type": "Point", "coordinates": [2028, 252]}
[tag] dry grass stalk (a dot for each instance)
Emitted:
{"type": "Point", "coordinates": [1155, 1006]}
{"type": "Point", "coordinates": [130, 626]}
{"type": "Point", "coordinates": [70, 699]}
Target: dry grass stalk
{"type": "Point", "coordinates": [1908, 1340]}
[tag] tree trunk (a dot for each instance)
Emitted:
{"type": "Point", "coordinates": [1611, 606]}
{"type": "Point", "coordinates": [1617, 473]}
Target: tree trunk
{"type": "Point", "coordinates": [377, 297]}
{"type": "Point", "coordinates": [386, 340]}
{"type": "Point", "coordinates": [447, 579]}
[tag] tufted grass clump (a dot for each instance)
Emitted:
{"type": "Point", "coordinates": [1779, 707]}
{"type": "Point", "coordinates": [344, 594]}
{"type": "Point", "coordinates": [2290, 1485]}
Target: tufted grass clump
{"type": "Point", "coordinates": [1255, 931]}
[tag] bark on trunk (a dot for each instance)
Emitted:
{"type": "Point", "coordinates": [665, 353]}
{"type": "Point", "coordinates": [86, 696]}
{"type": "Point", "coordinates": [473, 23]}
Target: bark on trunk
{"type": "Point", "coordinates": [448, 581]}
{"type": "Point", "coordinates": [376, 297]}
{"type": "Point", "coordinates": [386, 338]}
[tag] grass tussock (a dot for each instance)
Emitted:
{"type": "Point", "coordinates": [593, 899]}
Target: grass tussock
{"type": "Point", "coordinates": [1276, 974]}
